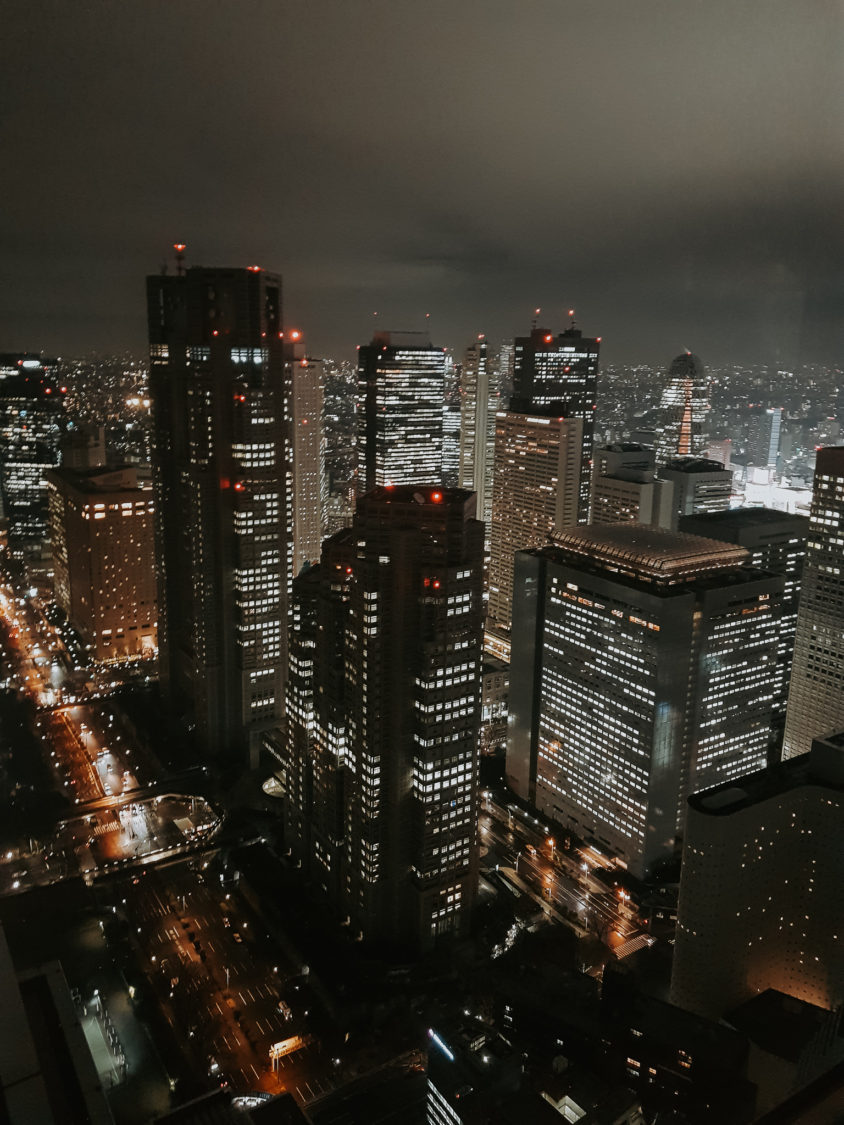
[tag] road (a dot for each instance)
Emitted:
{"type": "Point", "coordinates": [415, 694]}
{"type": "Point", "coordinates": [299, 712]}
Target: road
{"type": "Point", "coordinates": [224, 988]}
{"type": "Point", "coordinates": [558, 877]}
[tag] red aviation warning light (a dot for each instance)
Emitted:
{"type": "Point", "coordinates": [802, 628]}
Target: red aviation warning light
{"type": "Point", "coordinates": [254, 269]}
{"type": "Point", "coordinates": [437, 497]}
{"type": "Point", "coordinates": [295, 334]}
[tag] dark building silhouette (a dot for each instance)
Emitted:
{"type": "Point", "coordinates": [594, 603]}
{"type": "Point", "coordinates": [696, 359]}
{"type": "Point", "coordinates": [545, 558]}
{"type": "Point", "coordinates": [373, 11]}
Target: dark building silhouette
{"type": "Point", "coordinates": [384, 713]}
{"type": "Point", "coordinates": [223, 508]}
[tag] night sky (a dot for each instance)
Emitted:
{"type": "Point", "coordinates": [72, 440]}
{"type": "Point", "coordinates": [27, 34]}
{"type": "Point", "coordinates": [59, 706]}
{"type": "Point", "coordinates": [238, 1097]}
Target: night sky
{"type": "Point", "coordinates": [673, 170]}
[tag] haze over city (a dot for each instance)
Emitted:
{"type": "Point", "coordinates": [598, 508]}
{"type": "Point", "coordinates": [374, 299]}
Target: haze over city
{"type": "Point", "coordinates": [670, 169]}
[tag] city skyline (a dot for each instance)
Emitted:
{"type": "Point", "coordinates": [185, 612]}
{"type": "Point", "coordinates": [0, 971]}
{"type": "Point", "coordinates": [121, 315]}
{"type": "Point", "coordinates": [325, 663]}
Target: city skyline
{"type": "Point", "coordinates": [654, 182]}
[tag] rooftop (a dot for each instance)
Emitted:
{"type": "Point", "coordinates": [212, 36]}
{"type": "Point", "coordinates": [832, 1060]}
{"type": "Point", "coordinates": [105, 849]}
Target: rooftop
{"type": "Point", "coordinates": [694, 465]}
{"type": "Point", "coordinates": [823, 766]}
{"type": "Point", "coordinates": [650, 554]}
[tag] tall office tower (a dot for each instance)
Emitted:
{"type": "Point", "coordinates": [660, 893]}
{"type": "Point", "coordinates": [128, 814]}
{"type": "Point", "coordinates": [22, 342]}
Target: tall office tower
{"type": "Point", "coordinates": [760, 888]}
{"type": "Point", "coordinates": [642, 667]}
{"type": "Point", "coordinates": [384, 713]}
{"type": "Point", "coordinates": [451, 424]}
{"type": "Point", "coordinates": [684, 409]}
{"type": "Point", "coordinates": [31, 427]}
{"type": "Point", "coordinates": [223, 505]}
{"type": "Point", "coordinates": [816, 693]}
{"type": "Point", "coordinates": [536, 491]}
{"type": "Point", "coordinates": [101, 528]}
{"type": "Point", "coordinates": [478, 400]}
{"type": "Point", "coordinates": [401, 387]}
{"type": "Point", "coordinates": [699, 485]}
{"type": "Point", "coordinates": [561, 371]}
{"type": "Point", "coordinates": [763, 437]}
{"type": "Point", "coordinates": [625, 489]}
{"type": "Point", "coordinates": [309, 484]}
{"type": "Point", "coordinates": [776, 542]}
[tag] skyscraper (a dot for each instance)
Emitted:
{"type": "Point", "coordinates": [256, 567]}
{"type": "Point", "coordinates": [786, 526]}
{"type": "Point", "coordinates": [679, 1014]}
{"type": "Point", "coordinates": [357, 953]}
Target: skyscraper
{"type": "Point", "coordinates": [776, 542]}
{"type": "Point", "coordinates": [101, 527]}
{"type": "Point", "coordinates": [625, 489]}
{"type": "Point", "coordinates": [384, 712]}
{"type": "Point", "coordinates": [642, 666]}
{"type": "Point", "coordinates": [816, 694]}
{"type": "Point", "coordinates": [684, 410]}
{"type": "Point", "coordinates": [451, 424]}
{"type": "Point", "coordinates": [223, 505]}
{"type": "Point", "coordinates": [308, 483]}
{"type": "Point", "coordinates": [763, 439]}
{"type": "Point", "coordinates": [478, 400]}
{"type": "Point", "coordinates": [401, 384]}
{"type": "Point", "coordinates": [760, 888]}
{"type": "Point", "coordinates": [561, 371]}
{"type": "Point", "coordinates": [536, 491]}
{"type": "Point", "coordinates": [31, 427]}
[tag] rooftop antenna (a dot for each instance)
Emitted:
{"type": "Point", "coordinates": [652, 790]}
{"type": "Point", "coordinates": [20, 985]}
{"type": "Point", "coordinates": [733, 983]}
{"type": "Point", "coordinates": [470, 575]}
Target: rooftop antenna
{"type": "Point", "coordinates": [536, 313]}
{"type": "Point", "coordinates": [571, 315]}
{"type": "Point", "coordinates": [180, 248]}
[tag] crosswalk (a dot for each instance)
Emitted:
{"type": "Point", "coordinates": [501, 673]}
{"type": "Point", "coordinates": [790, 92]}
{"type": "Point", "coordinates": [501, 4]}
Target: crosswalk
{"type": "Point", "coordinates": [633, 946]}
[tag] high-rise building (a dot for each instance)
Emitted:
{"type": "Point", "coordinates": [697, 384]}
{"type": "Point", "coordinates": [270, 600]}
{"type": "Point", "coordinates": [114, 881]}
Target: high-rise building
{"type": "Point", "coordinates": [401, 385]}
{"type": "Point", "coordinates": [763, 440]}
{"type": "Point", "coordinates": [625, 489]}
{"type": "Point", "coordinates": [682, 430]}
{"type": "Point", "coordinates": [642, 669]}
{"type": "Point", "coordinates": [31, 426]}
{"type": "Point", "coordinates": [101, 528]}
{"type": "Point", "coordinates": [536, 491]}
{"type": "Point", "coordinates": [816, 693]}
{"type": "Point", "coordinates": [699, 485]}
{"type": "Point", "coordinates": [308, 480]}
{"type": "Point", "coordinates": [451, 424]}
{"type": "Point", "coordinates": [561, 371]}
{"type": "Point", "coordinates": [222, 500]}
{"type": "Point", "coordinates": [384, 712]}
{"type": "Point", "coordinates": [760, 888]}
{"type": "Point", "coordinates": [478, 409]}
{"type": "Point", "coordinates": [776, 542]}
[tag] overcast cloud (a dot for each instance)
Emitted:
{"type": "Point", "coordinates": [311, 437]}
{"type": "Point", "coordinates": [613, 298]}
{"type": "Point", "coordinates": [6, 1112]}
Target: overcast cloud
{"type": "Point", "coordinates": [673, 169]}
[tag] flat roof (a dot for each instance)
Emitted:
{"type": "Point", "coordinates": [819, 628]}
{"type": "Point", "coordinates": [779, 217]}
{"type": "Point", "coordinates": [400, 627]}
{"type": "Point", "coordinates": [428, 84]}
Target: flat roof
{"type": "Point", "coordinates": [823, 766]}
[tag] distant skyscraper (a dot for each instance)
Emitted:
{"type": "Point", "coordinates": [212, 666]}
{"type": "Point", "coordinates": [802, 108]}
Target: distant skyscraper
{"type": "Point", "coordinates": [536, 491]}
{"type": "Point", "coordinates": [478, 400]}
{"type": "Point", "coordinates": [31, 426]}
{"type": "Point", "coordinates": [776, 542]}
{"type": "Point", "coordinates": [641, 670]}
{"type": "Point", "coordinates": [401, 386]}
{"type": "Point", "coordinates": [451, 424]}
{"type": "Point", "coordinates": [560, 371]}
{"type": "Point", "coordinates": [101, 525]}
{"type": "Point", "coordinates": [699, 485]}
{"type": "Point", "coordinates": [763, 443]}
{"type": "Point", "coordinates": [624, 488]}
{"type": "Point", "coordinates": [309, 487]}
{"type": "Point", "coordinates": [760, 888]}
{"type": "Point", "coordinates": [684, 410]}
{"type": "Point", "coordinates": [223, 505]}
{"type": "Point", "coordinates": [384, 713]}
{"type": "Point", "coordinates": [816, 694]}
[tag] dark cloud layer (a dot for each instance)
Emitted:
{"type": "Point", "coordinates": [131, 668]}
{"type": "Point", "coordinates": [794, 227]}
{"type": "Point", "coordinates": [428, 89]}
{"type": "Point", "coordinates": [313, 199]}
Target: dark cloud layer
{"type": "Point", "coordinates": [670, 167]}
